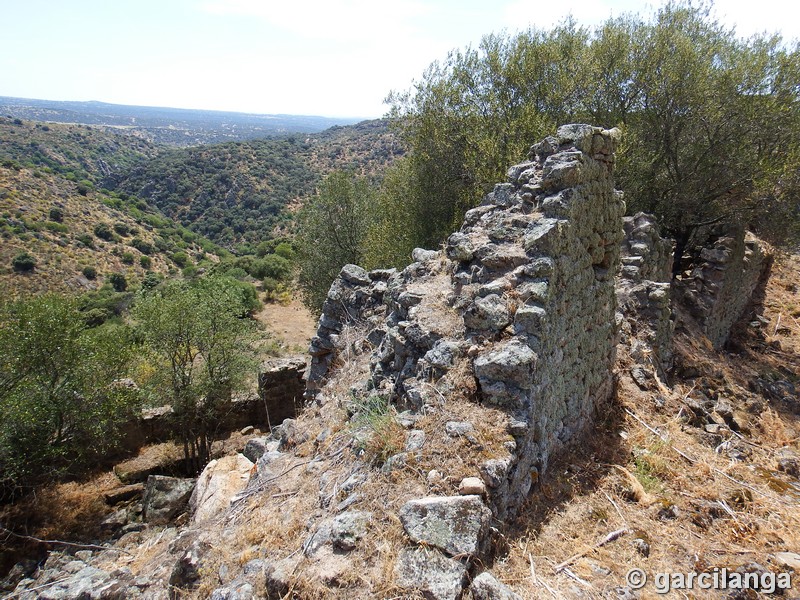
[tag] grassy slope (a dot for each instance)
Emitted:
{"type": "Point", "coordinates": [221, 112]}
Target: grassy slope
{"type": "Point", "coordinates": [54, 166]}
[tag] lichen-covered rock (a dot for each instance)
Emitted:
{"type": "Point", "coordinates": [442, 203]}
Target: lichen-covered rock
{"type": "Point", "coordinates": [165, 498]}
{"type": "Point", "coordinates": [455, 524]}
{"type": "Point", "coordinates": [432, 573]}
{"type": "Point", "coordinates": [341, 532]}
{"type": "Point", "coordinates": [486, 587]}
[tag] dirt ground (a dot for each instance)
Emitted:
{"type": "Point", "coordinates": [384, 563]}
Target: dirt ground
{"type": "Point", "coordinates": [291, 325]}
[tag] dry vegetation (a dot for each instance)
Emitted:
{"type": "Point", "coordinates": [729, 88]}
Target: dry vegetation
{"type": "Point", "coordinates": [647, 489]}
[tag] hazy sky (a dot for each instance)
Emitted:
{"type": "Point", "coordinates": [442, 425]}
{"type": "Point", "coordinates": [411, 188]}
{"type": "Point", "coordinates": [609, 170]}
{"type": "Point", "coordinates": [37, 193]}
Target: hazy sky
{"type": "Point", "coordinates": [322, 57]}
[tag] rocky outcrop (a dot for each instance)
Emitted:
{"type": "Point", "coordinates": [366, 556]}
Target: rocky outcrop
{"type": "Point", "coordinates": [165, 498]}
{"type": "Point", "coordinates": [219, 482]}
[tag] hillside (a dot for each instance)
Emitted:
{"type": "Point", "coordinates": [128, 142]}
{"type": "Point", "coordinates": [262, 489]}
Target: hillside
{"type": "Point", "coordinates": [535, 410]}
{"type": "Point", "coordinates": [245, 192]}
{"type": "Point", "coordinates": [78, 235]}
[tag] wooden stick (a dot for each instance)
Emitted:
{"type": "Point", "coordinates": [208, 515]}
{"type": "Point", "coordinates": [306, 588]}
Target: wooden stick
{"type": "Point", "coordinates": [62, 543]}
{"type": "Point", "coordinates": [614, 535]}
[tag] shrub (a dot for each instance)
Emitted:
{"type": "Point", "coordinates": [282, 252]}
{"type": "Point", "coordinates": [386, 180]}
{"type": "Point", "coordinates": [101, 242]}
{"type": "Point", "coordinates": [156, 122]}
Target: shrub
{"type": "Point", "coordinates": [127, 258]}
{"type": "Point", "coordinates": [142, 246]}
{"type": "Point", "coordinates": [56, 214]}
{"type": "Point", "coordinates": [60, 409]}
{"type": "Point", "coordinates": [118, 282]}
{"type": "Point", "coordinates": [122, 229]}
{"type": "Point", "coordinates": [89, 272]}
{"type": "Point", "coordinates": [181, 259]}
{"type": "Point", "coordinates": [23, 263]}
{"type": "Point", "coordinates": [86, 240]}
{"type": "Point", "coordinates": [104, 232]}
{"type": "Point", "coordinates": [145, 262]}
{"type": "Point", "coordinates": [56, 227]}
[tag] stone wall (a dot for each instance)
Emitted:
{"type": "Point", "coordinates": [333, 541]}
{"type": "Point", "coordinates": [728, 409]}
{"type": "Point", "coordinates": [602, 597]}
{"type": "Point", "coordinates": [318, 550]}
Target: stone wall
{"type": "Point", "coordinates": [644, 293]}
{"type": "Point", "coordinates": [523, 295]}
{"type": "Point", "coordinates": [281, 386]}
{"type": "Point", "coordinates": [723, 281]}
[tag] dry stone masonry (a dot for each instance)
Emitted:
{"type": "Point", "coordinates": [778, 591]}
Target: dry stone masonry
{"type": "Point", "coordinates": [723, 281]}
{"type": "Point", "coordinates": [523, 294]}
{"type": "Point", "coordinates": [644, 293]}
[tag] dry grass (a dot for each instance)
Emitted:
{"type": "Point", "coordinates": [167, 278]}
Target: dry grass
{"type": "Point", "coordinates": [707, 510]}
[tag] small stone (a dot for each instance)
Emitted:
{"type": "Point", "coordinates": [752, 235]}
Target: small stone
{"type": "Point", "coordinates": [471, 486]}
{"type": "Point", "coordinates": [790, 560]}
{"type": "Point", "coordinates": [642, 547]}
{"type": "Point", "coordinates": [458, 428]}
{"type": "Point", "coordinates": [486, 587]}
{"type": "Point", "coordinates": [415, 440]}
{"type": "Point", "coordinates": [434, 477]}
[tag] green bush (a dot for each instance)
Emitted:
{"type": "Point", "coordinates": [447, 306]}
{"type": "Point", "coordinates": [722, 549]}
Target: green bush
{"type": "Point", "coordinates": [145, 262]}
{"type": "Point", "coordinates": [118, 282]}
{"type": "Point", "coordinates": [86, 240]}
{"type": "Point", "coordinates": [122, 229]}
{"type": "Point", "coordinates": [56, 227]}
{"type": "Point", "coordinates": [104, 232]}
{"type": "Point", "coordinates": [181, 259]}
{"type": "Point", "coordinates": [56, 214]}
{"type": "Point", "coordinates": [142, 246]}
{"type": "Point", "coordinates": [89, 272]}
{"type": "Point", "coordinates": [59, 407]}
{"type": "Point", "coordinates": [127, 258]}
{"type": "Point", "coordinates": [23, 263]}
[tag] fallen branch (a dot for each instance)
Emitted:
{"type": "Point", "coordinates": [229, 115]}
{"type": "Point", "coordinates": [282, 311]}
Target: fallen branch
{"type": "Point", "coordinates": [61, 542]}
{"type": "Point", "coordinates": [34, 589]}
{"type": "Point", "coordinates": [539, 582]}
{"type": "Point", "coordinates": [614, 535]}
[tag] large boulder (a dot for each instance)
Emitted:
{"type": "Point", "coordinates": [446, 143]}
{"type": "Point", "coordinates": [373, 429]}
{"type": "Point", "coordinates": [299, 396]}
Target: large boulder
{"type": "Point", "coordinates": [219, 482]}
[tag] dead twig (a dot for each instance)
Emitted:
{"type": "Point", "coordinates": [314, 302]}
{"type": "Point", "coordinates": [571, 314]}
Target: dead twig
{"type": "Point", "coordinates": [614, 535]}
{"type": "Point", "coordinates": [61, 542]}
{"type": "Point", "coordinates": [539, 582]}
{"type": "Point", "coordinates": [714, 469]}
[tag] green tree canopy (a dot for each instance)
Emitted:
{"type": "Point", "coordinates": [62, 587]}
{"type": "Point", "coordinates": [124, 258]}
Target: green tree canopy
{"type": "Point", "coordinates": [711, 122]}
{"type": "Point", "coordinates": [61, 400]}
{"type": "Point", "coordinates": [200, 344]}
{"type": "Point", "coordinates": [332, 232]}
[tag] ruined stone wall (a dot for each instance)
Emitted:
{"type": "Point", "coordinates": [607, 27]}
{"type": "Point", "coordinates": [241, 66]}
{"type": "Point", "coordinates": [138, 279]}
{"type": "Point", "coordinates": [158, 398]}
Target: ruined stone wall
{"type": "Point", "coordinates": [723, 281]}
{"type": "Point", "coordinates": [523, 295]}
{"type": "Point", "coordinates": [644, 293]}
{"type": "Point", "coordinates": [551, 236]}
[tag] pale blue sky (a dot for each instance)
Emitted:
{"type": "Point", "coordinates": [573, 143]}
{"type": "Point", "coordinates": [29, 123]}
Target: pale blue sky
{"type": "Point", "coordinates": [323, 57]}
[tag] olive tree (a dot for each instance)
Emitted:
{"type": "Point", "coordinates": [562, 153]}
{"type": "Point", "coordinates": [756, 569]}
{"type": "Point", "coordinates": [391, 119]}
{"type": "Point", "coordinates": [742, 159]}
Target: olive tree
{"type": "Point", "coordinates": [199, 343]}
{"type": "Point", "coordinates": [332, 230]}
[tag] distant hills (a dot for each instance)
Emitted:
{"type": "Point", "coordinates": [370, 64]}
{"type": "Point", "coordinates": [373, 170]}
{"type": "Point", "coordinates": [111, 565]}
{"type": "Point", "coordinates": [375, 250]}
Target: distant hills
{"type": "Point", "coordinates": [172, 126]}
